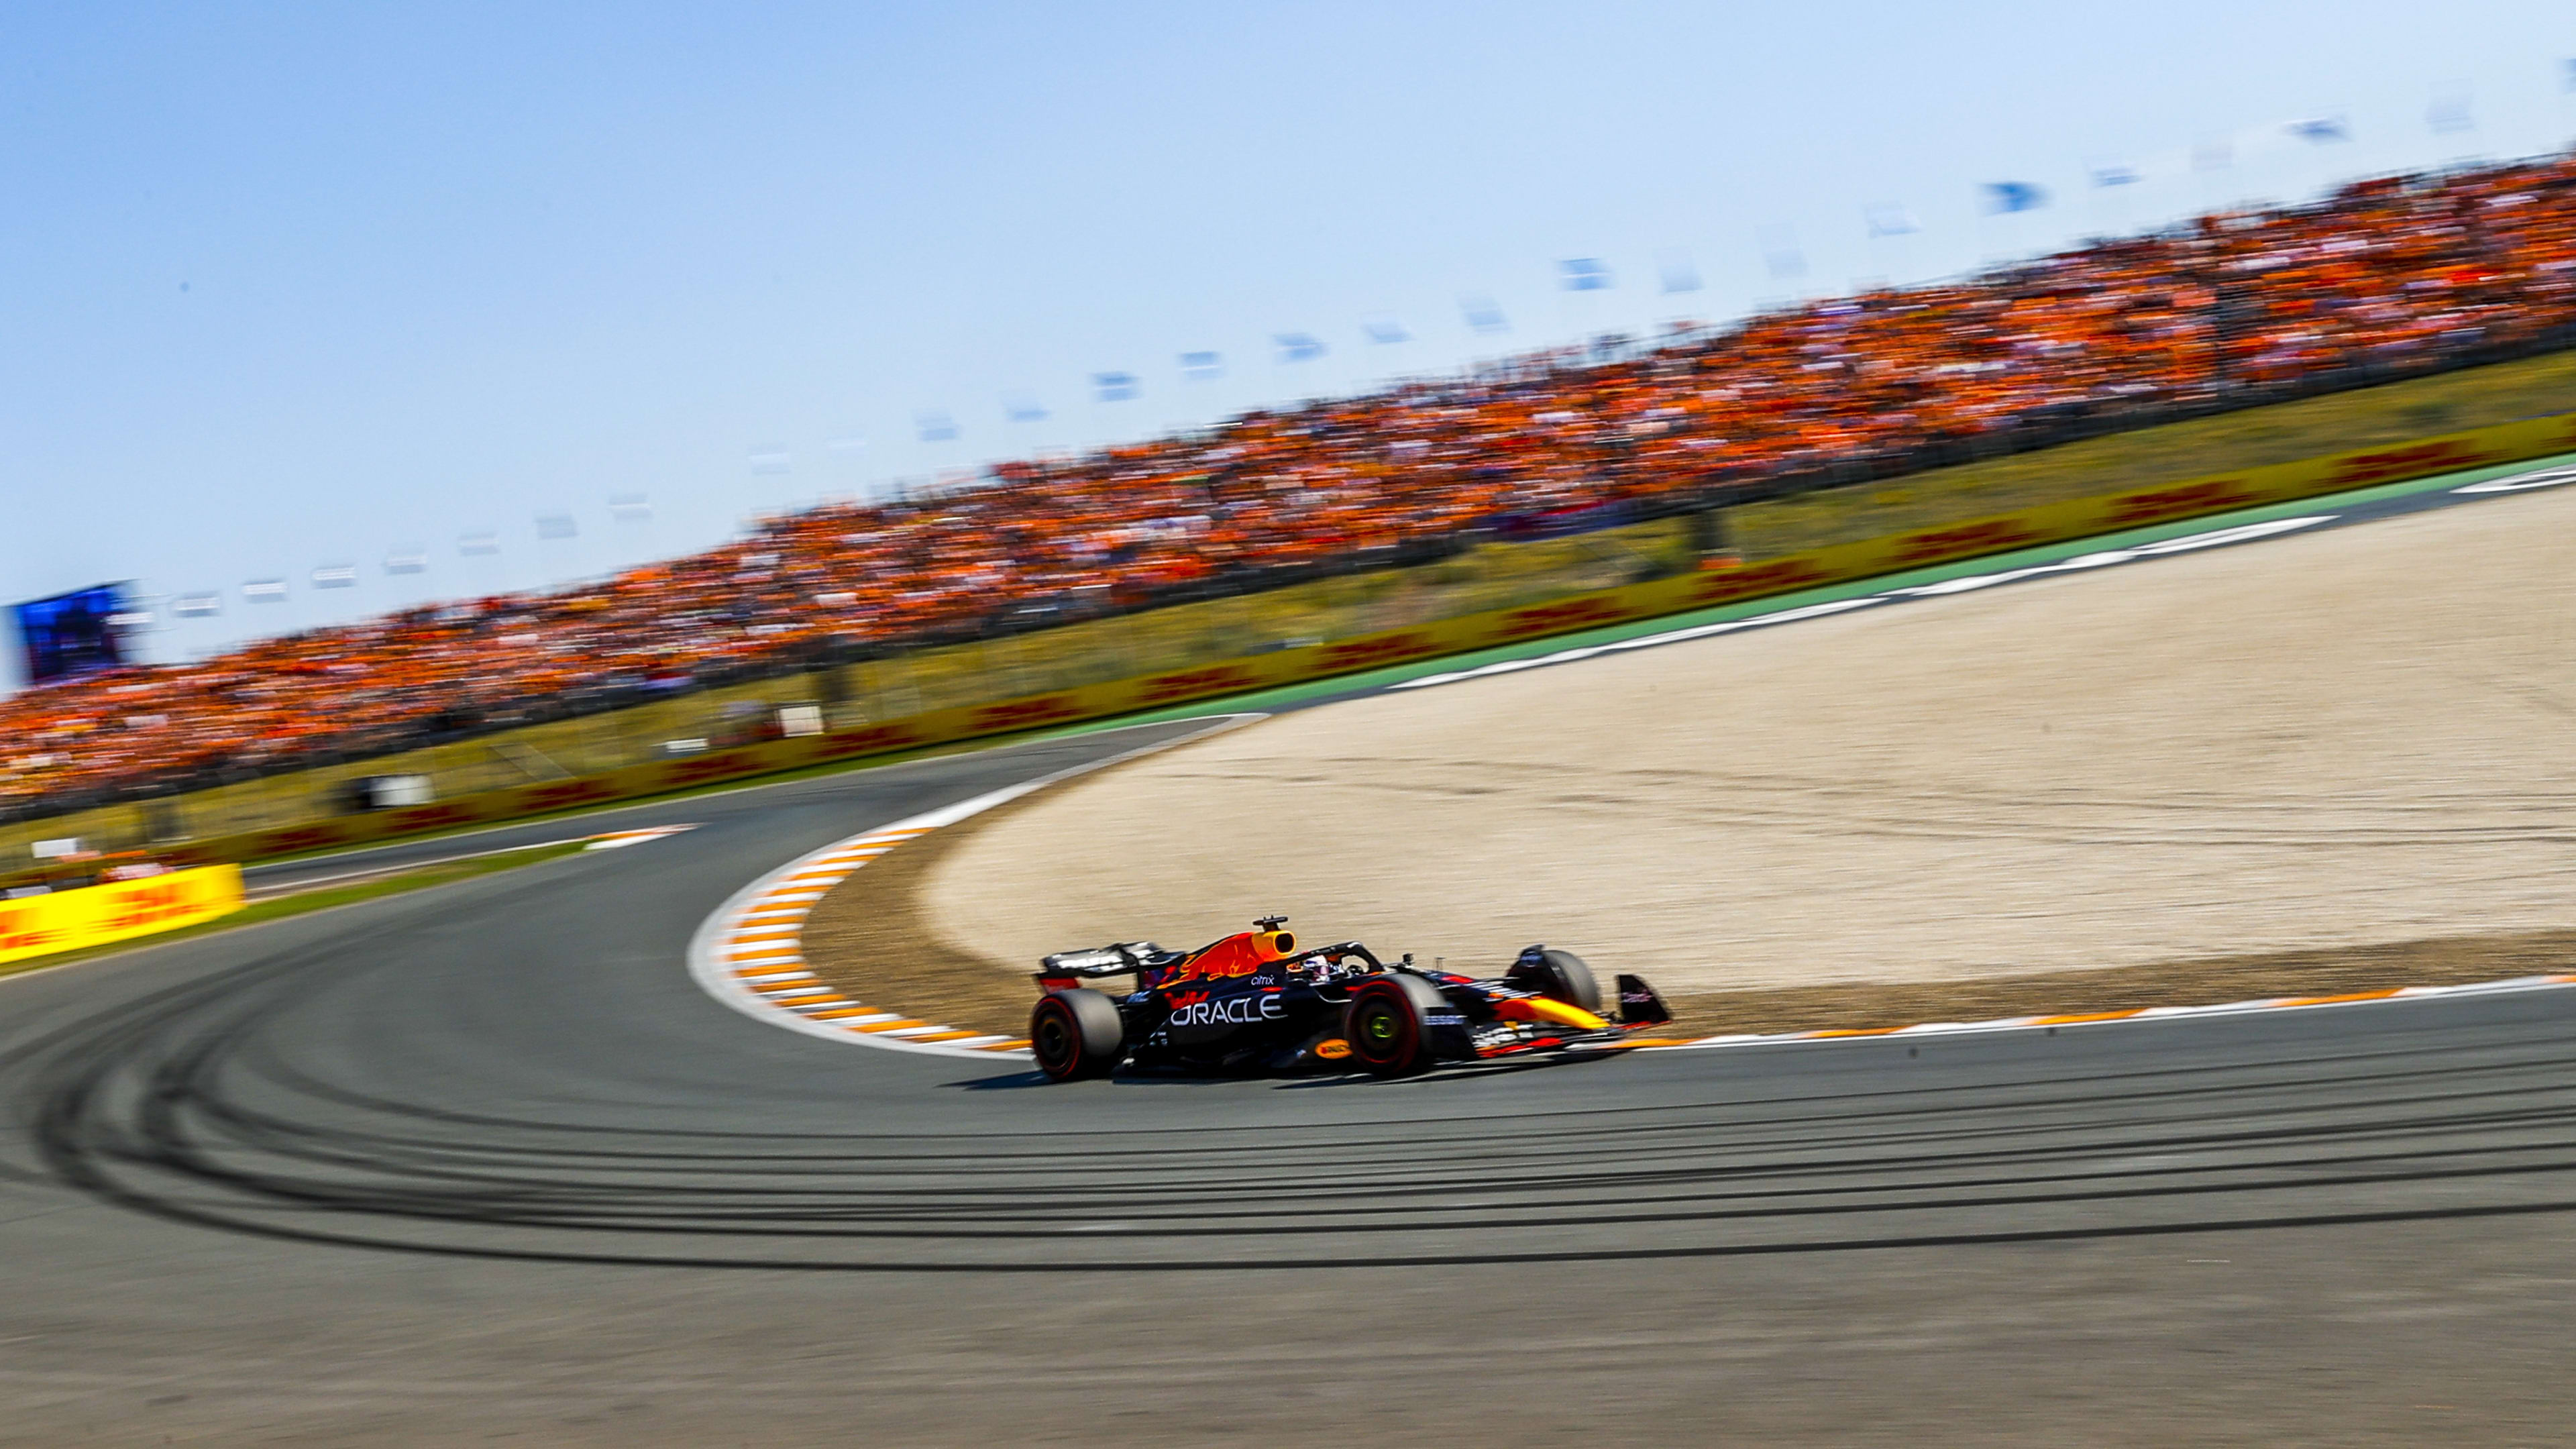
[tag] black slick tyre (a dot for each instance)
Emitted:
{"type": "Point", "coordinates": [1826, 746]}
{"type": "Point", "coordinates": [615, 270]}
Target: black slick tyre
{"type": "Point", "coordinates": [1075, 1034]}
{"type": "Point", "coordinates": [1563, 976]}
{"type": "Point", "coordinates": [1384, 1024]}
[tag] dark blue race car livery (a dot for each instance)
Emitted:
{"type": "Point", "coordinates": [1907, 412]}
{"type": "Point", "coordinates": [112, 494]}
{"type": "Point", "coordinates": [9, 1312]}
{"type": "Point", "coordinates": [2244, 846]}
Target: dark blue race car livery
{"type": "Point", "coordinates": [1256, 1001]}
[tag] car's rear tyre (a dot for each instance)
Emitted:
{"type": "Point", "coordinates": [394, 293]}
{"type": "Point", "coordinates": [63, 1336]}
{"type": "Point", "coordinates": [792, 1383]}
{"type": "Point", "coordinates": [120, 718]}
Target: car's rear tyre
{"type": "Point", "coordinates": [1563, 976]}
{"type": "Point", "coordinates": [1076, 1033]}
{"type": "Point", "coordinates": [1384, 1024]}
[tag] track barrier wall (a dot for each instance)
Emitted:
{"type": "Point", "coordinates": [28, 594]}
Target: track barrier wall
{"type": "Point", "coordinates": [117, 911]}
{"type": "Point", "coordinates": [1788, 573]}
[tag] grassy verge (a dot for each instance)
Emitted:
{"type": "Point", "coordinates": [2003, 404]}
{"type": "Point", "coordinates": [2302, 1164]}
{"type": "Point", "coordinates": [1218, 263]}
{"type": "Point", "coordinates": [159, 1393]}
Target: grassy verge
{"type": "Point", "coordinates": [2284, 433]}
{"type": "Point", "coordinates": [323, 898]}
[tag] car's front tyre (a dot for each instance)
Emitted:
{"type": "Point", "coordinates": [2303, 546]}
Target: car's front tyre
{"type": "Point", "coordinates": [1076, 1033]}
{"type": "Point", "coordinates": [1561, 976]}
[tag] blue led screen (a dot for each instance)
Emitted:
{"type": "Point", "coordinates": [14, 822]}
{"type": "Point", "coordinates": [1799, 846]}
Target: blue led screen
{"type": "Point", "coordinates": [72, 633]}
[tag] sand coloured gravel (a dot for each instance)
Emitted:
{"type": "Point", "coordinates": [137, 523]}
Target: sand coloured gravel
{"type": "Point", "coordinates": [2336, 739]}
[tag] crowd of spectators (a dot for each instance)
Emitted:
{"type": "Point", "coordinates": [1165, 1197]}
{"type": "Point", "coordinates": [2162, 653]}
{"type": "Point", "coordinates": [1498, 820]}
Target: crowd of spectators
{"type": "Point", "coordinates": [2392, 274]}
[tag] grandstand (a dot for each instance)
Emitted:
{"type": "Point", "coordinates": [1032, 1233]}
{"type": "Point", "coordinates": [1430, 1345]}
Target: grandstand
{"type": "Point", "coordinates": [2385, 279]}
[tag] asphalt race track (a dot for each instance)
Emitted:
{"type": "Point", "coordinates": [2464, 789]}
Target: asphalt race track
{"type": "Point", "coordinates": [482, 1164]}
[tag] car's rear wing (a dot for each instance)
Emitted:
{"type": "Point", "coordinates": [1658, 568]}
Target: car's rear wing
{"type": "Point", "coordinates": [1068, 968]}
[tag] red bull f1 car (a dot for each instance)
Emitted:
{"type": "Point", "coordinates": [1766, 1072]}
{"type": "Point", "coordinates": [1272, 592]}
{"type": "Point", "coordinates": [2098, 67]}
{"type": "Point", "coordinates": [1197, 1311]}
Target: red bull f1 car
{"type": "Point", "coordinates": [1256, 1001]}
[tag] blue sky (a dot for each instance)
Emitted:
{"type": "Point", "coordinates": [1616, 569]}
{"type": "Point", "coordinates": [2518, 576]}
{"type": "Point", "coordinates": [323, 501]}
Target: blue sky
{"type": "Point", "coordinates": [287, 286]}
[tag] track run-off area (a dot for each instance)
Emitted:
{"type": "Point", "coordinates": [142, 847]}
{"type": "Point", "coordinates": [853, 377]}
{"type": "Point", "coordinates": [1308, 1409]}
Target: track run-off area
{"type": "Point", "coordinates": [486, 1163]}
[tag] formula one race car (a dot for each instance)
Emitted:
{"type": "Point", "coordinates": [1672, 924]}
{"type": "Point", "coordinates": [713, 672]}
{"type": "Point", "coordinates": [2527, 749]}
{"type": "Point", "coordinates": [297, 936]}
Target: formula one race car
{"type": "Point", "coordinates": [1255, 1002]}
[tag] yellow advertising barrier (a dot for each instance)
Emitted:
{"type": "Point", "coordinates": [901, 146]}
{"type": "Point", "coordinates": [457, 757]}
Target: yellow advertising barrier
{"type": "Point", "coordinates": [118, 911]}
{"type": "Point", "coordinates": [1841, 563]}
